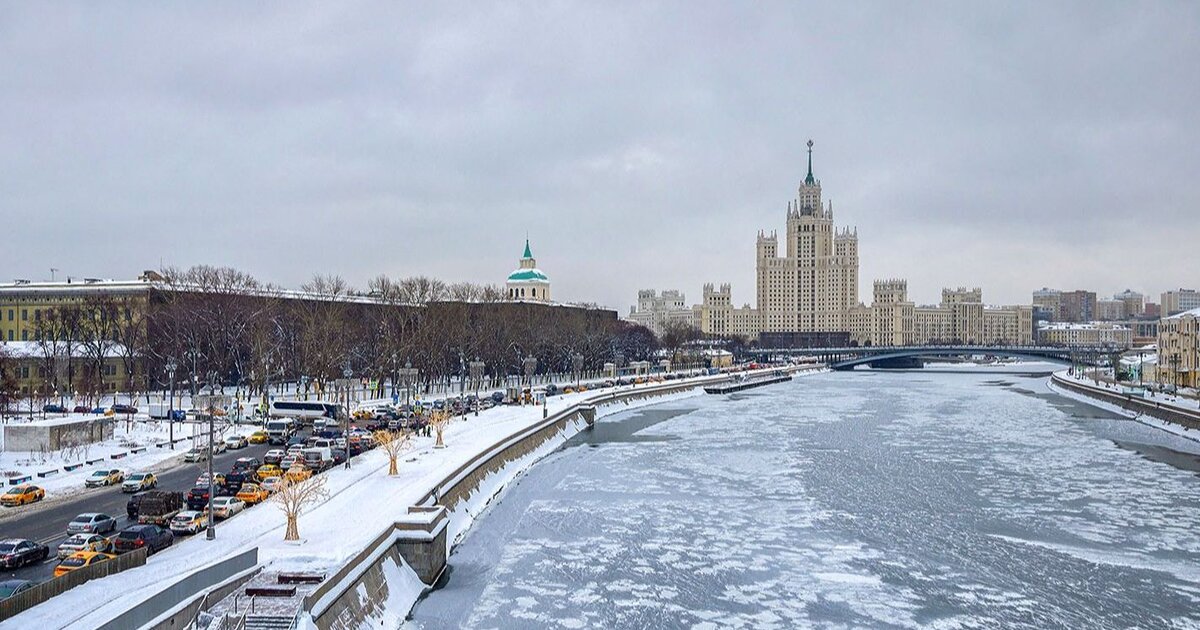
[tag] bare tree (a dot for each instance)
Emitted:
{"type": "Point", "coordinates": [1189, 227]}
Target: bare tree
{"type": "Point", "coordinates": [394, 443]}
{"type": "Point", "coordinates": [293, 496]}
{"type": "Point", "coordinates": [438, 419]}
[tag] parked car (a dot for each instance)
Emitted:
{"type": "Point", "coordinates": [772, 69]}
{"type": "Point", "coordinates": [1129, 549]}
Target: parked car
{"type": "Point", "coordinates": [81, 409]}
{"type": "Point", "coordinates": [226, 507]}
{"type": "Point", "coordinates": [139, 481]}
{"type": "Point", "coordinates": [274, 456]}
{"type": "Point", "coordinates": [105, 477]}
{"type": "Point", "coordinates": [271, 484]}
{"type": "Point", "coordinates": [196, 455]}
{"type": "Point", "coordinates": [8, 588]}
{"type": "Point", "coordinates": [203, 480]}
{"type": "Point", "coordinates": [18, 552]}
{"type": "Point", "coordinates": [236, 441]}
{"type": "Point", "coordinates": [189, 522]}
{"type": "Point", "coordinates": [125, 409]}
{"type": "Point", "coordinates": [79, 560]}
{"type": "Point", "coordinates": [22, 494]}
{"type": "Point", "coordinates": [152, 536]}
{"type": "Point", "coordinates": [258, 437]}
{"type": "Point", "coordinates": [92, 523]}
{"type": "Point", "coordinates": [54, 409]}
{"type": "Point", "coordinates": [252, 494]}
{"type": "Point", "coordinates": [83, 542]}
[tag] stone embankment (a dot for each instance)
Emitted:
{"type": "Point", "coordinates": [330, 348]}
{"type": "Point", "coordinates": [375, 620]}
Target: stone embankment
{"type": "Point", "coordinates": [1132, 405]}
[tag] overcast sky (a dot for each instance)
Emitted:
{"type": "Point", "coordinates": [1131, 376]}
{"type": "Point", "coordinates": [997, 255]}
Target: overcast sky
{"type": "Point", "coordinates": [640, 145]}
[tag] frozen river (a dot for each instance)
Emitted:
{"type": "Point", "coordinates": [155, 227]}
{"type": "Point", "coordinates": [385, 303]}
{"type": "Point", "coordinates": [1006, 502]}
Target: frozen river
{"type": "Point", "coordinates": [844, 500]}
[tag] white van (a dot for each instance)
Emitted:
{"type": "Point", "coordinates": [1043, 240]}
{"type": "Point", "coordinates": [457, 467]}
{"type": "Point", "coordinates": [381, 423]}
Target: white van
{"type": "Point", "coordinates": [280, 430]}
{"type": "Point", "coordinates": [304, 409]}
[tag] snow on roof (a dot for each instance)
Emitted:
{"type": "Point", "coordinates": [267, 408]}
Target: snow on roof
{"type": "Point", "coordinates": [1192, 313]}
{"type": "Point", "coordinates": [36, 349]}
{"type": "Point", "coordinates": [1087, 326]}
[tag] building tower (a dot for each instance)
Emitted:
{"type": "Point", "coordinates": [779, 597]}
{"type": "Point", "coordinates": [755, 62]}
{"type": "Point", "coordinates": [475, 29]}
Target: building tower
{"type": "Point", "coordinates": [527, 282]}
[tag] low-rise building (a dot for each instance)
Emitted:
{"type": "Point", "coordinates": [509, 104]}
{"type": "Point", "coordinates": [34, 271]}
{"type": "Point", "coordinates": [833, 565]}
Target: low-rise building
{"type": "Point", "coordinates": [961, 317]}
{"type": "Point", "coordinates": [1085, 334]}
{"type": "Point", "coordinates": [1179, 349]}
{"type": "Point", "coordinates": [1178, 301]}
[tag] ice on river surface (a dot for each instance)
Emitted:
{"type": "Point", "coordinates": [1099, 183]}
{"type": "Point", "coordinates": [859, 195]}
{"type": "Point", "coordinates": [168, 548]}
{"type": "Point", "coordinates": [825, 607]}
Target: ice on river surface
{"type": "Point", "coordinates": [844, 500]}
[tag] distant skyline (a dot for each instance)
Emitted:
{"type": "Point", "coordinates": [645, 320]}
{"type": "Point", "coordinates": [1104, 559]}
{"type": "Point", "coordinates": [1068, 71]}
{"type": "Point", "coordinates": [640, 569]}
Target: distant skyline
{"type": "Point", "coordinates": [1009, 146]}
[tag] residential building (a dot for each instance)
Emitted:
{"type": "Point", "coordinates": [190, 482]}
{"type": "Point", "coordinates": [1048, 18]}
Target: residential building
{"type": "Point", "coordinates": [527, 283]}
{"type": "Point", "coordinates": [1077, 306]}
{"type": "Point", "coordinates": [1048, 304]}
{"type": "Point", "coordinates": [1110, 310]}
{"type": "Point", "coordinates": [1178, 301]}
{"type": "Point", "coordinates": [1135, 303]}
{"type": "Point", "coordinates": [657, 312]}
{"type": "Point", "coordinates": [1179, 349]}
{"type": "Point", "coordinates": [1086, 334]}
{"type": "Point", "coordinates": [960, 318]}
{"type": "Point", "coordinates": [812, 286]}
{"type": "Point", "coordinates": [718, 316]}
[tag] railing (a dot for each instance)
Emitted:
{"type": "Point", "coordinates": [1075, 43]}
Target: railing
{"type": "Point", "coordinates": [44, 591]}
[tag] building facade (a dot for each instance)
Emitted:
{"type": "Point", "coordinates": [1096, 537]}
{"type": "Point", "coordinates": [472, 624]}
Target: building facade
{"type": "Point", "coordinates": [811, 285]}
{"type": "Point", "coordinates": [527, 283]}
{"type": "Point", "coordinates": [1086, 334]}
{"type": "Point", "coordinates": [960, 318]}
{"type": "Point", "coordinates": [1178, 301]}
{"type": "Point", "coordinates": [1179, 349]}
{"type": "Point", "coordinates": [658, 312]}
{"type": "Point", "coordinates": [1135, 303]}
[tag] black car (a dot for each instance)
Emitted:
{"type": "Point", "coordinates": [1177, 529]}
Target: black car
{"type": "Point", "coordinates": [126, 409]}
{"type": "Point", "coordinates": [497, 397]}
{"type": "Point", "coordinates": [296, 440]}
{"type": "Point", "coordinates": [18, 552]}
{"type": "Point", "coordinates": [131, 508]}
{"type": "Point", "coordinates": [54, 409]}
{"type": "Point", "coordinates": [197, 498]}
{"type": "Point", "coordinates": [152, 536]}
{"type": "Point", "coordinates": [8, 588]}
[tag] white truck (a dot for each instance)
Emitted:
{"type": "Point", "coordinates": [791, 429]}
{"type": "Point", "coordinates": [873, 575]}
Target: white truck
{"type": "Point", "coordinates": [280, 430]}
{"type": "Point", "coordinates": [317, 458]}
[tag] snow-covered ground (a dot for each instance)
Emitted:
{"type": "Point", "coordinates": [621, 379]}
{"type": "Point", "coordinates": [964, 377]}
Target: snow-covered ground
{"type": "Point", "coordinates": [365, 493]}
{"type": "Point", "coordinates": [1169, 427]}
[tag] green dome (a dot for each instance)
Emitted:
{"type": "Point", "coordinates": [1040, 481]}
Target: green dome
{"type": "Point", "coordinates": [528, 275]}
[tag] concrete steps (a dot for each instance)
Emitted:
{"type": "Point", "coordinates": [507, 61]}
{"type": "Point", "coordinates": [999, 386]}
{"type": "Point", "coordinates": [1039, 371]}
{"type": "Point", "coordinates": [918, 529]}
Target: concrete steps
{"type": "Point", "coordinates": [268, 622]}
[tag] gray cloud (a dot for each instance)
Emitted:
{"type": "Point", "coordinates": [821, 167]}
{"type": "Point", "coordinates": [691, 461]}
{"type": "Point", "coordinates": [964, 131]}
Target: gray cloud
{"type": "Point", "coordinates": [640, 145]}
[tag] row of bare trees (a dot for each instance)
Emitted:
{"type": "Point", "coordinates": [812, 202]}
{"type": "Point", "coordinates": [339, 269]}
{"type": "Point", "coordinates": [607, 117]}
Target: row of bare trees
{"type": "Point", "coordinates": [222, 326]}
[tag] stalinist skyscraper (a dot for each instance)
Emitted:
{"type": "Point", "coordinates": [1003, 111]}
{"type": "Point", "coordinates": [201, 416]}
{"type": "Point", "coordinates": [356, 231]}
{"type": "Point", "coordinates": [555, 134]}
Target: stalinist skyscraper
{"type": "Point", "coordinates": [813, 287]}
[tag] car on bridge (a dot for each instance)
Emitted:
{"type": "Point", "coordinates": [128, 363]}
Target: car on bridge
{"type": "Point", "coordinates": [83, 542]}
{"type": "Point", "coordinates": [79, 560]}
{"type": "Point", "coordinates": [18, 552]}
{"type": "Point", "coordinates": [106, 477]}
{"type": "Point", "coordinates": [22, 495]}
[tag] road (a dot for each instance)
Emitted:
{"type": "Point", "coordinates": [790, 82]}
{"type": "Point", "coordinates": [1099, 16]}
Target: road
{"type": "Point", "coordinates": [47, 524]}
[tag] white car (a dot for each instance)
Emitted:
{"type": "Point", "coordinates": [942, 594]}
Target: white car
{"type": "Point", "coordinates": [236, 442]}
{"type": "Point", "coordinates": [226, 507]}
{"type": "Point", "coordinates": [189, 522]}
{"type": "Point", "coordinates": [196, 455]}
{"type": "Point", "coordinates": [139, 481]}
{"type": "Point", "coordinates": [83, 542]}
{"type": "Point", "coordinates": [271, 484]}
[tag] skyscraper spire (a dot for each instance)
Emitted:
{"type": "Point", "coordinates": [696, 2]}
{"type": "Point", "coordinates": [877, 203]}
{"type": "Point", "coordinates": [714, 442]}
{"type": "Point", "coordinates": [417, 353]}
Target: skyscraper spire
{"type": "Point", "coordinates": [809, 180]}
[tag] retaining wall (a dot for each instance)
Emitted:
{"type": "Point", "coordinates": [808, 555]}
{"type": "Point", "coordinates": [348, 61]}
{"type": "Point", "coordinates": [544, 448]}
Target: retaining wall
{"type": "Point", "coordinates": [1135, 404]}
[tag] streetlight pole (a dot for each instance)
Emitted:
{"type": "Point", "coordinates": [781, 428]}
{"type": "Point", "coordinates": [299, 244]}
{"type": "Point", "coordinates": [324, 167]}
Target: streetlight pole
{"type": "Point", "coordinates": [347, 372]}
{"type": "Point", "coordinates": [211, 530]}
{"type": "Point", "coordinates": [171, 367]}
{"type": "Point", "coordinates": [477, 368]}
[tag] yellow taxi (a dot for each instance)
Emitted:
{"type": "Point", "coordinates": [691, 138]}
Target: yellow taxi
{"type": "Point", "coordinates": [258, 437]}
{"type": "Point", "coordinates": [21, 495]}
{"type": "Point", "coordinates": [80, 559]}
{"type": "Point", "coordinates": [297, 473]}
{"type": "Point", "coordinates": [252, 493]}
{"type": "Point", "coordinates": [269, 470]}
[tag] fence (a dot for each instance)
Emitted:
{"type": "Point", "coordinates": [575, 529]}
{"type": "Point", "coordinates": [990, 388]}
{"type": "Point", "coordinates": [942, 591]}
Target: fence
{"type": "Point", "coordinates": [59, 585]}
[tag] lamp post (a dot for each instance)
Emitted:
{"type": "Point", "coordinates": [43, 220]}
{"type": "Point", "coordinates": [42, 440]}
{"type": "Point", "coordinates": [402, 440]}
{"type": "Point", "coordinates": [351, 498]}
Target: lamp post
{"type": "Point", "coordinates": [211, 530]}
{"type": "Point", "coordinates": [530, 365]}
{"type": "Point", "coordinates": [347, 372]}
{"type": "Point", "coordinates": [577, 364]}
{"type": "Point", "coordinates": [393, 379]}
{"type": "Point", "coordinates": [477, 368]}
{"type": "Point", "coordinates": [171, 367]}
{"type": "Point", "coordinates": [193, 355]}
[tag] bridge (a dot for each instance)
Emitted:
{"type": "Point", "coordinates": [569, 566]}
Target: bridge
{"type": "Point", "coordinates": [848, 358]}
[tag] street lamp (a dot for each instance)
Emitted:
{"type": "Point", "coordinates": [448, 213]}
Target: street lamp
{"type": "Point", "coordinates": [477, 368]}
{"type": "Point", "coordinates": [171, 367]}
{"type": "Point", "coordinates": [211, 530]}
{"type": "Point", "coordinates": [347, 372]}
{"type": "Point", "coordinates": [577, 363]}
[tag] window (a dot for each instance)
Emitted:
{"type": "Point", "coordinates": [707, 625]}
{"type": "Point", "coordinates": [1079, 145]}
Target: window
{"type": "Point", "coordinates": [24, 335]}
{"type": "Point", "coordinates": [24, 315]}
{"type": "Point", "coordinates": [10, 317]}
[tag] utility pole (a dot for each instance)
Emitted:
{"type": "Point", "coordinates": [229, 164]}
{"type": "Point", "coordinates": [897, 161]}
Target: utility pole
{"type": "Point", "coordinates": [171, 367]}
{"type": "Point", "coordinates": [211, 530]}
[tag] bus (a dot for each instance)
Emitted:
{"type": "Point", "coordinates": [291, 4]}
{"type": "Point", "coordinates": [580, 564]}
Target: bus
{"type": "Point", "coordinates": [302, 410]}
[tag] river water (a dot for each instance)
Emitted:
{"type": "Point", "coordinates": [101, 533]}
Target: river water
{"type": "Point", "coordinates": [861, 499]}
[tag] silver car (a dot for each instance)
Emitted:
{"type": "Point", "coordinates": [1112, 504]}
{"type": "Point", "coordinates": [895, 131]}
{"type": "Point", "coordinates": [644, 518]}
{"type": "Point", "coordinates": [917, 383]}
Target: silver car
{"type": "Point", "coordinates": [92, 523]}
{"type": "Point", "coordinates": [83, 542]}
